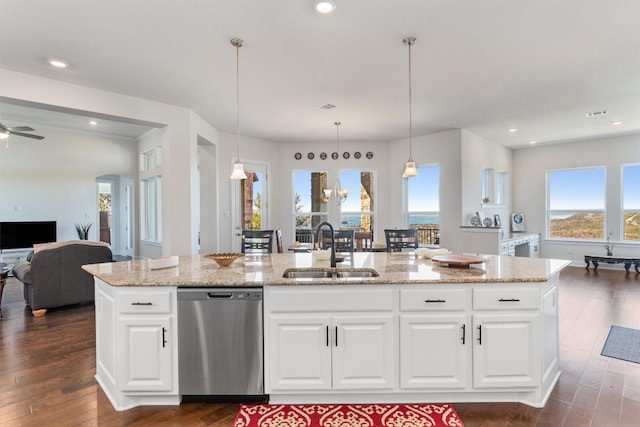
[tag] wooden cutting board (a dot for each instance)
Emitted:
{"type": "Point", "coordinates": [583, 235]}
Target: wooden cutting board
{"type": "Point", "coordinates": [458, 261]}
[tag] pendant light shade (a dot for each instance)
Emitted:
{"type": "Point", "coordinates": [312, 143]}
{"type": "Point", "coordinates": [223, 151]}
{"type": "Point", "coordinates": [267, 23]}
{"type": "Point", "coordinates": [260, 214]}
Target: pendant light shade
{"type": "Point", "coordinates": [238, 167]}
{"type": "Point", "coordinates": [410, 166]}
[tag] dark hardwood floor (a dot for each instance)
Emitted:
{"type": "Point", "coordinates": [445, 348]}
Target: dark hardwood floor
{"type": "Point", "coordinates": [47, 367]}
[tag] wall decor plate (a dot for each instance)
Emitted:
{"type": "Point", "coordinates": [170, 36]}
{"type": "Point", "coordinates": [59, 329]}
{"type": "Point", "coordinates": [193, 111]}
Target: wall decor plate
{"type": "Point", "coordinates": [334, 155]}
{"type": "Point", "coordinates": [323, 156]}
{"type": "Point", "coordinates": [310, 156]}
{"type": "Point", "coordinates": [369, 155]}
{"type": "Point", "coordinates": [298, 156]}
{"type": "Point", "coordinates": [345, 155]}
{"type": "Point", "coordinates": [357, 155]}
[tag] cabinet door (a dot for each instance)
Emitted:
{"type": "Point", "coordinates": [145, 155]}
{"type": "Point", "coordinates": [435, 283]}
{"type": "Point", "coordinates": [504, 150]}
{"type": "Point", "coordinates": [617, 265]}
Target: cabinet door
{"type": "Point", "coordinates": [146, 353]}
{"type": "Point", "coordinates": [300, 352]}
{"type": "Point", "coordinates": [363, 352]}
{"type": "Point", "coordinates": [506, 350]}
{"type": "Point", "coordinates": [434, 350]}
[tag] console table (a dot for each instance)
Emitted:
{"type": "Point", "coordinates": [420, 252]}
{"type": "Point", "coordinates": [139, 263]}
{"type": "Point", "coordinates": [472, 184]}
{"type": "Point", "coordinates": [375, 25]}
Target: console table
{"type": "Point", "coordinates": [613, 260]}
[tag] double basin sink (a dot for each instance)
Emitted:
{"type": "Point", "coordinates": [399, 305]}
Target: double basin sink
{"type": "Point", "coordinates": [330, 273]}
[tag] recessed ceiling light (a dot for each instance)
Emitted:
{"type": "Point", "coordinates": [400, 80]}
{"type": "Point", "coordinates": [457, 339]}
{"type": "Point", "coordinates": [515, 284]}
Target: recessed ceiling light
{"type": "Point", "coordinates": [512, 130]}
{"type": "Point", "coordinates": [325, 6]}
{"type": "Point", "coordinates": [617, 122]}
{"type": "Point", "coordinates": [93, 122]}
{"type": "Point", "coordinates": [533, 142]}
{"type": "Point", "coordinates": [58, 63]}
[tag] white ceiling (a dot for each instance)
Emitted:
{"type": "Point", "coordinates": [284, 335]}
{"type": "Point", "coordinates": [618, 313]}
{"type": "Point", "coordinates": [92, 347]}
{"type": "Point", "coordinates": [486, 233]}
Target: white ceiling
{"type": "Point", "coordinates": [482, 65]}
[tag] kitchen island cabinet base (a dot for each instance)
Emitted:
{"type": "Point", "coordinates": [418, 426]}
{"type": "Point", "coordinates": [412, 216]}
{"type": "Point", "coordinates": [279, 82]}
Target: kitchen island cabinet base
{"type": "Point", "coordinates": [530, 398]}
{"type": "Point", "coordinates": [122, 402]}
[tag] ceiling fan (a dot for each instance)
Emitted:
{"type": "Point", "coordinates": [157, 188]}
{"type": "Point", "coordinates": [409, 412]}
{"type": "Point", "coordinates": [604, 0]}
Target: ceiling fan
{"type": "Point", "coordinates": [19, 131]}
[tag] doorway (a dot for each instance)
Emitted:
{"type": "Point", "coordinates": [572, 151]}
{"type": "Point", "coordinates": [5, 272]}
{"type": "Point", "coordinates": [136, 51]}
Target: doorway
{"type": "Point", "coordinates": [115, 213]}
{"type": "Point", "coordinates": [250, 202]}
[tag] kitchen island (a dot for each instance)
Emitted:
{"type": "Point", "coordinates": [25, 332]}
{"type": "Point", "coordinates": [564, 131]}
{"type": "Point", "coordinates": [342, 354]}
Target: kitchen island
{"type": "Point", "coordinates": [418, 332]}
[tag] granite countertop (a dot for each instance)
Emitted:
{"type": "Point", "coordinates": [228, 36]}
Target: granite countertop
{"type": "Point", "coordinates": [259, 270]}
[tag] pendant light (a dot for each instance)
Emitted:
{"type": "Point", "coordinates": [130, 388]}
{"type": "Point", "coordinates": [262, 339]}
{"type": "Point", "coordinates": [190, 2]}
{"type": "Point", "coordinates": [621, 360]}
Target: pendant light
{"type": "Point", "coordinates": [238, 167]}
{"type": "Point", "coordinates": [340, 193]}
{"type": "Point", "coordinates": [410, 167]}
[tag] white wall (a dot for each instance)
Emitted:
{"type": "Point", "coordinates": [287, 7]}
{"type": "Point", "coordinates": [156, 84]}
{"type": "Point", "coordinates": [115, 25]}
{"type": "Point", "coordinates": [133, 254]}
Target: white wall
{"type": "Point", "coordinates": [55, 179]}
{"type": "Point", "coordinates": [529, 195]}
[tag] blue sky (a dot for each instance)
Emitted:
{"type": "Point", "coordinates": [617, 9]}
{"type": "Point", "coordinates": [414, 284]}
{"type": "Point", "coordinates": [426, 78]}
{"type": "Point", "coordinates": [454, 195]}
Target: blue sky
{"type": "Point", "coordinates": [574, 189]}
{"type": "Point", "coordinates": [424, 190]}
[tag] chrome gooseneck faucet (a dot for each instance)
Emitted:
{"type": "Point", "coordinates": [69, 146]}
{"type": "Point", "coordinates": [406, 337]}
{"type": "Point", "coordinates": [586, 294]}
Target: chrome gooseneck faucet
{"type": "Point", "coordinates": [333, 240]}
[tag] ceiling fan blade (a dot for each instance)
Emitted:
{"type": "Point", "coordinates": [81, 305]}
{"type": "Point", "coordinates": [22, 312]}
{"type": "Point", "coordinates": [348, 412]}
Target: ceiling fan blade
{"type": "Point", "coordinates": [26, 135]}
{"type": "Point", "coordinates": [20, 129]}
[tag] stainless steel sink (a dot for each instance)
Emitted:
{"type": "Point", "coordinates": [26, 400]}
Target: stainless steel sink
{"type": "Point", "coordinates": [329, 273]}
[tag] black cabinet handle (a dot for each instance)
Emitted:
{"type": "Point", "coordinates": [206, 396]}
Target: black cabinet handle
{"type": "Point", "coordinates": [435, 300]}
{"type": "Point", "coordinates": [336, 336]}
{"type": "Point", "coordinates": [141, 303]}
{"type": "Point", "coordinates": [509, 300]}
{"type": "Point", "coordinates": [464, 333]}
{"type": "Point", "coordinates": [164, 338]}
{"type": "Point", "coordinates": [327, 333]}
{"type": "Point", "coordinates": [480, 334]}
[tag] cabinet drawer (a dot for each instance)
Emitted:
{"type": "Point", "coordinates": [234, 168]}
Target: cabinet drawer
{"type": "Point", "coordinates": [142, 302]}
{"type": "Point", "coordinates": [335, 300]}
{"type": "Point", "coordinates": [506, 299]}
{"type": "Point", "coordinates": [433, 299]}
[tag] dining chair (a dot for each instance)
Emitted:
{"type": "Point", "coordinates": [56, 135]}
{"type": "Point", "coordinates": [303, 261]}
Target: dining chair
{"type": "Point", "coordinates": [278, 235]}
{"type": "Point", "coordinates": [304, 235]}
{"type": "Point", "coordinates": [364, 241]}
{"type": "Point", "coordinates": [257, 241]}
{"type": "Point", "coordinates": [343, 239]}
{"type": "Point", "coordinates": [399, 239]}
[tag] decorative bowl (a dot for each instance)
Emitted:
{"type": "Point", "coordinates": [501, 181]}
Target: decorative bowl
{"type": "Point", "coordinates": [321, 254]}
{"type": "Point", "coordinates": [224, 259]}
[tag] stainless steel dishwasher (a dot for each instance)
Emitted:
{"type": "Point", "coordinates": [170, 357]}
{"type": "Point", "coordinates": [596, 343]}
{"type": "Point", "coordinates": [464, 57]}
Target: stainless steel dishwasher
{"type": "Point", "coordinates": [220, 343]}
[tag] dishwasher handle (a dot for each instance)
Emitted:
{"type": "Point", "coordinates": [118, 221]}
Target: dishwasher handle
{"type": "Point", "coordinates": [219, 295]}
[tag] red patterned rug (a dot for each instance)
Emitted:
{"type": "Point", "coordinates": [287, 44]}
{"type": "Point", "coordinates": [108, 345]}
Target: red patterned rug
{"type": "Point", "coordinates": [419, 415]}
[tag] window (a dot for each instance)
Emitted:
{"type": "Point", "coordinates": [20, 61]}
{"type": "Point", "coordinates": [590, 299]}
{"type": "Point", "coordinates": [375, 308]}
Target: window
{"type": "Point", "coordinates": [494, 187]}
{"type": "Point", "coordinates": [151, 199]}
{"type": "Point", "coordinates": [576, 203]}
{"type": "Point", "coordinates": [310, 207]}
{"type": "Point", "coordinates": [357, 211]}
{"type": "Point", "coordinates": [423, 204]}
{"type": "Point", "coordinates": [151, 195]}
{"type": "Point", "coordinates": [631, 202]}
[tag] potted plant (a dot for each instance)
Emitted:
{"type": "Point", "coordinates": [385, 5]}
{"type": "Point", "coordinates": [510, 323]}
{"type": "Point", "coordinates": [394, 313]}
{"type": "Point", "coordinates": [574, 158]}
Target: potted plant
{"type": "Point", "coordinates": [609, 245]}
{"type": "Point", "coordinates": [83, 231]}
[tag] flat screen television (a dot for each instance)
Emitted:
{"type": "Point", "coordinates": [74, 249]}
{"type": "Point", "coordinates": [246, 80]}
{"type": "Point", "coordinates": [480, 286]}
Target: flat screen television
{"type": "Point", "coordinates": [24, 234]}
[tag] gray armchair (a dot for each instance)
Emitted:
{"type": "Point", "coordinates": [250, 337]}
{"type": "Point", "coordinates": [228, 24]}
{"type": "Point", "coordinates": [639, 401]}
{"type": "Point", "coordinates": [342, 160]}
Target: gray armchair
{"type": "Point", "coordinates": [52, 275]}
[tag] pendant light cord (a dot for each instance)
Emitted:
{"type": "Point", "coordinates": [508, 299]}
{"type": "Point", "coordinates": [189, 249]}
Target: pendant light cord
{"type": "Point", "coordinates": [238, 99]}
{"type": "Point", "coordinates": [409, 43]}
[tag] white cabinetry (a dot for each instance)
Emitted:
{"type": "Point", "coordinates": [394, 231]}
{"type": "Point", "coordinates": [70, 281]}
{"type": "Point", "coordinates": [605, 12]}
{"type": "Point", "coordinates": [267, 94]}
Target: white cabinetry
{"type": "Point", "coordinates": [312, 345]}
{"type": "Point", "coordinates": [475, 342]}
{"type": "Point", "coordinates": [507, 338]}
{"type": "Point", "coordinates": [136, 351]}
{"type": "Point", "coordinates": [434, 338]}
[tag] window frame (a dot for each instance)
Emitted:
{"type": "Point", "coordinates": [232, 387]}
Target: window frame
{"type": "Point", "coordinates": [549, 212]}
{"type": "Point", "coordinates": [623, 209]}
{"type": "Point", "coordinates": [323, 215]}
{"type": "Point", "coordinates": [371, 213]}
{"type": "Point", "coordinates": [408, 212]}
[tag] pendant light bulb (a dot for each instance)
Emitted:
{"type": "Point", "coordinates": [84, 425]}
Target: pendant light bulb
{"type": "Point", "coordinates": [410, 166]}
{"type": "Point", "coordinates": [238, 167]}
